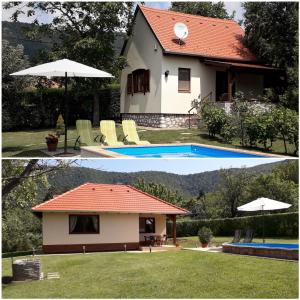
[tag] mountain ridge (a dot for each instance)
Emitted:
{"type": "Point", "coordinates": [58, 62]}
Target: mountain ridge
{"type": "Point", "coordinates": [187, 185]}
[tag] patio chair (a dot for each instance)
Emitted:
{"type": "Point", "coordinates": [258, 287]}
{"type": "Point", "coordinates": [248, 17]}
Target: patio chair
{"type": "Point", "coordinates": [108, 130]}
{"type": "Point", "coordinates": [164, 239]}
{"type": "Point", "coordinates": [152, 240]}
{"type": "Point", "coordinates": [130, 132]}
{"type": "Point", "coordinates": [237, 236]}
{"type": "Point", "coordinates": [159, 240]}
{"type": "Point", "coordinates": [249, 236]}
{"type": "Point", "coordinates": [85, 135]}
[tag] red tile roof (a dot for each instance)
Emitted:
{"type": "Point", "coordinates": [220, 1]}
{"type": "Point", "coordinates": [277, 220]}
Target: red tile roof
{"type": "Point", "coordinates": [208, 37]}
{"type": "Point", "coordinates": [92, 197]}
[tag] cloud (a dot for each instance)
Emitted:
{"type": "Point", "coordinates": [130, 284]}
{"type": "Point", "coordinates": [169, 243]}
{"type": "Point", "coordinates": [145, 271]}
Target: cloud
{"type": "Point", "coordinates": [237, 6]}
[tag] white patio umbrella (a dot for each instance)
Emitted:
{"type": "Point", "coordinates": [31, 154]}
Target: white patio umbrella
{"type": "Point", "coordinates": [263, 204]}
{"type": "Point", "coordinates": [63, 68]}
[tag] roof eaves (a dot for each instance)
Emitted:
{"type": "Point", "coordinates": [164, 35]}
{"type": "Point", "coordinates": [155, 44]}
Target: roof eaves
{"type": "Point", "coordinates": [203, 56]}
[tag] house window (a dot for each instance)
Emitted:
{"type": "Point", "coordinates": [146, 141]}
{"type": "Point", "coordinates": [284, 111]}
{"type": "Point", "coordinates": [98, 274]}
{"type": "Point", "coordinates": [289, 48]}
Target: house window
{"type": "Point", "coordinates": [83, 224]}
{"type": "Point", "coordinates": [147, 225]}
{"type": "Point", "coordinates": [138, 82]}
{"type": "Point", "coordinates": [184, 80]}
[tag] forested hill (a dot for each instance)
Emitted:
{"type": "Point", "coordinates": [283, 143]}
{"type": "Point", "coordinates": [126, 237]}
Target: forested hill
{"type": "Point", "coordinates": [14, 33]}
{"type": "Point", "coordinates": [187, 185]}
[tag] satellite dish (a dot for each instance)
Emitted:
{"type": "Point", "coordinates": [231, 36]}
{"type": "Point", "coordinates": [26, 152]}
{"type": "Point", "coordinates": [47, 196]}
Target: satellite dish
{"type": "Point", "coordinates": [181, 31]}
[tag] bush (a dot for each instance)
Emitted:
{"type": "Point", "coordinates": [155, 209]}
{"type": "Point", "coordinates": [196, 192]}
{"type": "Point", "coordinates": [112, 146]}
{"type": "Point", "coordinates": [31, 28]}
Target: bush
{"type": "Point", "coordinates": [214, 119]}
{"type": "Point", "coordinates": [229, 130]}
{"type": "Point", "coordinates": [205, 235]}
{"type": "Point", "coordinates": [276, 225]}
{"type": "Point", "coordinates": [286, 122]}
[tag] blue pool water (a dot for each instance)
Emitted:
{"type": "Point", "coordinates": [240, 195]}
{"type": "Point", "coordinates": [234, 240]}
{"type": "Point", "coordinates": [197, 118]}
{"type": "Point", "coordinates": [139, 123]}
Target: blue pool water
{"type": "Point", "coordinates": [178, 151]}
{"type": "Point", "coordinates": [268, 245]}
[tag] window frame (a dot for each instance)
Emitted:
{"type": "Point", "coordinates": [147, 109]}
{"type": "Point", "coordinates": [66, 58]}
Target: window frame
{"type": "Point", "coordinates": [84, 215]}
{"type": "Point", "coordinates": [184, 90]}
{"type": "Point", "coordinates": [138, 82]}
{"type": "Point", "coordinates": [144, 220]}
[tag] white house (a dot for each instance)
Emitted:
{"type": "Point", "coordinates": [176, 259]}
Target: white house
{"type": "Point", "coordinates": [164, 74]}
{"type": "Point", "coordinates": [104, 217]}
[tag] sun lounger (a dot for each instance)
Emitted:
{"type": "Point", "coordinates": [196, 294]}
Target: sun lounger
{"type": "Point", "coordinates": [85, 134]}
{"type": "Point", "coordinates": [249, 236]}
{"type": "Point", "coordinates": [130, 132]}
{"type": "Point", "coordinates": [237, 236]}
{"type": "Point", "coordinates": [108, 130]}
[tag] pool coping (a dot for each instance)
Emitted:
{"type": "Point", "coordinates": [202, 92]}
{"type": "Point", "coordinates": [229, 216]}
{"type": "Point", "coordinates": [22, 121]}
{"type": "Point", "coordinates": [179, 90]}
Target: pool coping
{"type": "Point", "coordinates": [101, 151]}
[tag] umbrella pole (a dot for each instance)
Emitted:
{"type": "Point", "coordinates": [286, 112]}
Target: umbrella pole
{"type": "Point", "coordinates": [66, 113]}
{"type": "Point", "coordinates": [263, 228]}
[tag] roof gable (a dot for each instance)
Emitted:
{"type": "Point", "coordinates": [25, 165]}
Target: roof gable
{"type": "Point", "coordinates": [208, 37]}
{"type": "Point", "coordinates": [91, 197]}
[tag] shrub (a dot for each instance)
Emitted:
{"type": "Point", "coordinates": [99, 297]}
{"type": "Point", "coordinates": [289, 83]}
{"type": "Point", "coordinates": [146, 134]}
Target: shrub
{"type": "Point", "coordinates": [229, 130]}
{"type": "Point", "coordinates": [214, 118]}
{"type": "Point", "coordinates": [286, 123]}
{"type": "Point", "coordinates": [282, 224]}
{"type": "Point", "coordinates": [205, 235]}
{"type": "Point", "coordinates": [60, 125]}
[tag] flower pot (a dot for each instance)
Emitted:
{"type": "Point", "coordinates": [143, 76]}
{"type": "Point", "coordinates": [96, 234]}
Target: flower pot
{"type": "Point", "coordinates": [204, 245]}
{"type": "Point", "coordinates": [52, 147]}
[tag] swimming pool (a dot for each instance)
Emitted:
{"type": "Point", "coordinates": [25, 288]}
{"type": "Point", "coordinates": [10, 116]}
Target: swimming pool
{"type": "Point", "coordinates": [273, 250]}
{"type": "Point", "coordinates": [178, 151]}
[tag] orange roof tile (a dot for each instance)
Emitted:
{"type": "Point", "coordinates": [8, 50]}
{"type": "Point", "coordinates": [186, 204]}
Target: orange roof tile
{"type": "Point", "coordinates": [92, 197]}
{"type": "Point", "coordinates": [208, 37]}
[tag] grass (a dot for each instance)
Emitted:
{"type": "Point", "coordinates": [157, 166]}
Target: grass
{"type": "Point", "coordinates": [31, 142]}
{"type": "Point", "coordinates": [183, 274]}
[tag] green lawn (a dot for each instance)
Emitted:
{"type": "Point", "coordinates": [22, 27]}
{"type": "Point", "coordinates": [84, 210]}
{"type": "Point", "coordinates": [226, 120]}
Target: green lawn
{"type": "Point", "coordinates": [183, 274]}
{"type": "Point", "coordinates": [29, 143]}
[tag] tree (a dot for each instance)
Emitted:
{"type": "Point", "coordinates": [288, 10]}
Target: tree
{"type": "Point", "coordinates": [271, 32]}
{"type": "Point", "coordinates": [13, 59]}
{"type": "Point", "coordinates": [205, 9]}
{"type": "Point", "coordinates": [87, 33]}
{"type": "Point", "coordinates": [160, 191]}
{"type": "Point", "coordinates": [232, 190]}
{"type": "Point", "coordinates": [21, 180]}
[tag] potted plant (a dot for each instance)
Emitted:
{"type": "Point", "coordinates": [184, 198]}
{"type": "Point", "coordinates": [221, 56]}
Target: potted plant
{"type": "Point", "coordinates": [205, 236]}
{"type": "Point", "coordinates": [51, 141]}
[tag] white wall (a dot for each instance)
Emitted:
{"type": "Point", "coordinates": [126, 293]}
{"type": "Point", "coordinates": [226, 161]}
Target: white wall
{"type": "Point", "coordinates": [251, 84]}
{"type": "Point", "coordinates": [140, 54]}
{"type": "Point", "coordinates": [114, 228]}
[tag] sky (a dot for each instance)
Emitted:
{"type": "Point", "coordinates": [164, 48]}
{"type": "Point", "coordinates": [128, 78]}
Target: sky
{"type": "Point", "coordinates": [177, 166]}
{"type": "Point", "coordinates": [45, 18]}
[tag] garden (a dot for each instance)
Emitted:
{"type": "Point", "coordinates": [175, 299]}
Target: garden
{"type": "Point", "coordinates": [152, 275]}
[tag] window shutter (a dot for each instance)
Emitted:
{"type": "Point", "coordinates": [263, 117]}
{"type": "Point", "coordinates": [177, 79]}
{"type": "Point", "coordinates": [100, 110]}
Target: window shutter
{"type": "Point", "coordinates": [129, 84]}
{"type": "Point", "coordinates": [146, 81]}
{"type": "Point", "coordinates": [135, 82]}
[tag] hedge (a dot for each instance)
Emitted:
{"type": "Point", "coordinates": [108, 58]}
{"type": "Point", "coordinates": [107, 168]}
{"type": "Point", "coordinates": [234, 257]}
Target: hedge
{"type": "Point", "coordinates": [21, 253]}
{"type": "Point", "coordinates": [33, 109]}
{"type": "Point", "coordinates": [276, 225]}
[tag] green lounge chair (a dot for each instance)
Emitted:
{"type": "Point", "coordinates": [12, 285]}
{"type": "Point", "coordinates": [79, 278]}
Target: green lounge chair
{"type": "Point", "coordinates": [108, 130]}
{"type": "Point", "coordinates": [130, 132]}
{"type": "Point", "coordinates": [85, 135]}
